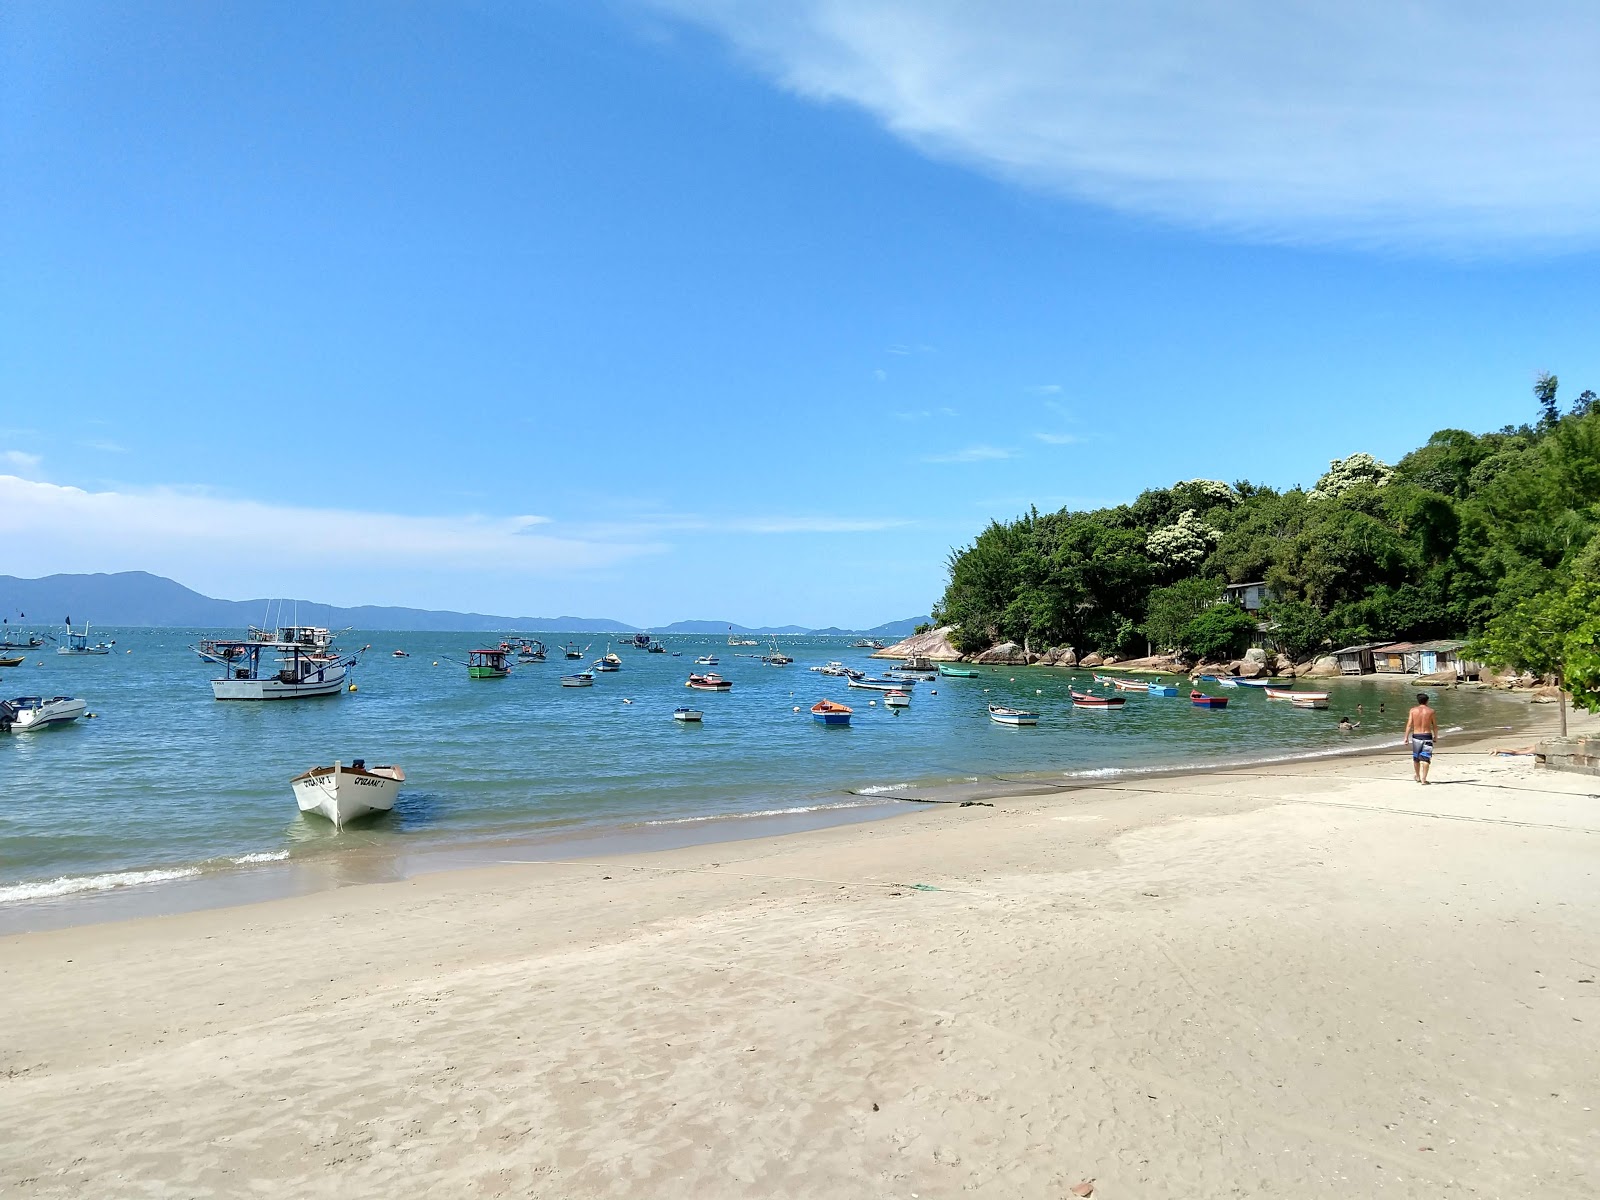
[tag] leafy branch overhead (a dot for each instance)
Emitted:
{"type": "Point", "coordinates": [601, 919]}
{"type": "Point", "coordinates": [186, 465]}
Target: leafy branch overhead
{"type": "Point", "coordinates": [1460, 532]}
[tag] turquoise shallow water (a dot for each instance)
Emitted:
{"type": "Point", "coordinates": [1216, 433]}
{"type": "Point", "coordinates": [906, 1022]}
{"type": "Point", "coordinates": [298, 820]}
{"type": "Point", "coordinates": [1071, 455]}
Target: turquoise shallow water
{"type": "Point", "coordinates": [166, 779]}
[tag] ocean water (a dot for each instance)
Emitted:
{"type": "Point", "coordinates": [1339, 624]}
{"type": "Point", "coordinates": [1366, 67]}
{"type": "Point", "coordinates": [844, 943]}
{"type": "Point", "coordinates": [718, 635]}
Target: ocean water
{"type": "Point", "coordinates": [166, 783]}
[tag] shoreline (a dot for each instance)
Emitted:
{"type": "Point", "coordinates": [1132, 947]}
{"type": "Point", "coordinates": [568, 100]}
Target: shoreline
{"type": "Point", "coordinates": [168, 889]}
{"type": "Point", "coordinates": [1315, 979]}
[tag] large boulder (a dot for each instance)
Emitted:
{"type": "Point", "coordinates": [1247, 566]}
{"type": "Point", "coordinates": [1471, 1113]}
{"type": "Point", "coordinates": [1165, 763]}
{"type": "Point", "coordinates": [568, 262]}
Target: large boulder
{"type": "Point", "coordinates": [1256, 655]}
{"type": "Point", "coordinates": [1326, 665]}
{"type": "Point", "coordinates": [1109, 660]}
{"type": "Point", "coordinates": [1090, 660]}
{"type": "Point", "coordinates": [1067, 658]}
{"type": "Point", "coordinates": [1005, 654]}
{"type": "Point", "coordinates": [934, 644]}
{"type": "Point", "coordinates": [1282, 666]}
{"type": "Point", "coordinates": [1251, 669]}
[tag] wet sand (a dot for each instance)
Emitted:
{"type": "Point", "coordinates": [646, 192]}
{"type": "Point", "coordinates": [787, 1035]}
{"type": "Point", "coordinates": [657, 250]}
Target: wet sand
{"type": "Point", "coordinates": [1315, 979]}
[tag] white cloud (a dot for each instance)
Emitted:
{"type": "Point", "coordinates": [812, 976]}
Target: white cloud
{"type": "Point", "coordinates": [1058, 439]}
{"type": "Point", "coordinates": [20, 460]}
{"type": "Point", "coordinates": [1434, 123]}
{"type": "Point", "coordinates": [971, 454]}
{"type": "Point", "coordinates": [1045, 389]}
{"type": "Point", "coordinates": [880, 374]}
{"type": "Point", "coordinates": [105, 446]}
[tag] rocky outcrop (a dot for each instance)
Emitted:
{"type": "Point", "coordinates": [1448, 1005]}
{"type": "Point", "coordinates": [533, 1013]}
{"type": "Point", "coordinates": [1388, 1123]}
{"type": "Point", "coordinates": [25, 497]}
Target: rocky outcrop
{"type": "Point", "coordinates": [934, 644]}
{"type": "Point", "coordinates": [1256, 655]}
{"type": "Point", "coordinates": [1053, 656]}
{"type": "Point", "coordinates": [1249, 668]}
{"type": "Point", "coordinates": [1005, 654]}
{"type": "Point", "coordinates": [1325, 666]}
{"type": "Point", "coordinates": [1091, 660]}
{"type": "Point", "coordinates": [1067, 658]}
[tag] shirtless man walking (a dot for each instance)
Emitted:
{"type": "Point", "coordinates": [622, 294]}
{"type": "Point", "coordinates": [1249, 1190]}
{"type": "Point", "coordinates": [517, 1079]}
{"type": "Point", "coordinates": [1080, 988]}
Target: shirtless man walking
{"type": "Point", "coordinates": [1422, 729]}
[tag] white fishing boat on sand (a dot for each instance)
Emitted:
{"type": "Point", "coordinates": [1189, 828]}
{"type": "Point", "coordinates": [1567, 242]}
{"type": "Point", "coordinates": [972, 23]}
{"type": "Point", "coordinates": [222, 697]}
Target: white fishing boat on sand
{"type": "Point", "coordinates": [343, 793]}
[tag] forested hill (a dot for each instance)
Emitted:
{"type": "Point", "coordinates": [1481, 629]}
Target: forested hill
{"type": "Point", "coordinates": [1459, 531]}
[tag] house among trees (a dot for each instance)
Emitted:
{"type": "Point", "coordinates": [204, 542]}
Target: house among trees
{"type": "Point", "coordinates": [1252, 597]}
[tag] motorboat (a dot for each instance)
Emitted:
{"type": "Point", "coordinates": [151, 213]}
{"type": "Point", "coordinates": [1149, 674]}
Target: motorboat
{"type": "Point", "coordinates": [684, 713]}
{"type": "Point", "coordinates": [343, 793]}
{"type": "Point", "coordinates": [739, 641]}
{"type": "Point", "coordinates": [897, 699]}
{"type": "Point", "coordinates": [572, 651]}
{"type": "Point", "coordinates": [655, 648]}
{"type": "Point", "coordinates": [280, 671]}
{"type": "Point", "coordinates": [955, 672]}
{"type": "Point", "coordinates": [639, 641]}
{"type": "Point", "coordinates": [35, 712]}
{"type": "Point", "coordinates": [920, 663]}
{"type": "Point", "coordinates": [12, 660]}
{"type": "Point", "coordinates": [581, 679]}
{"type": "Point", "coordinates": [607, 662]}
{"type": "Point", "coordinates": [776, 657]}
{"type": "Point", "coordinates": [706, 660]}
{"type": "Point", "coordinates": [1276, 693]}
{"type": "Point", "coordinates": [1090, 700]}
{"type": "Point", "coordinates": [709, 683]}
{"type": "Point", "coordinates": [401, 654]}
{"type": "Point", "coordinates": [866, 644]}
{"type": "Point", "coordinates": [487, 664]}
{"type": "Point", "coordinates": [79, 643]}
{"type": "Point", "coordinates": [1163, 689]}
{"type": "Point", "coordinates": [881, 685]}
{"type": "Point", "coordinates": [830, 712]}
{"type": "Point", "coordinates": [1012, 716]}
{"type": "Point", "coordinates": [1201, 700]}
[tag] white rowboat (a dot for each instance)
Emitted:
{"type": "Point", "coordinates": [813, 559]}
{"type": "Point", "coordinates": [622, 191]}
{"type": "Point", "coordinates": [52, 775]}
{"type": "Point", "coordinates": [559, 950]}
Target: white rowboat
{"type": "Point", "coordinates": [343, 793]}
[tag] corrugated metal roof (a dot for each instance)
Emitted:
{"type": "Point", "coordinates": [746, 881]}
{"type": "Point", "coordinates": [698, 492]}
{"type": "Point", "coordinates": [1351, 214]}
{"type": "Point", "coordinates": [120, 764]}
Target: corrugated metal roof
{"type": "Point", "coordinates": [1441, 645]}
{"type": "Point", "coordinates": [1361, 648]}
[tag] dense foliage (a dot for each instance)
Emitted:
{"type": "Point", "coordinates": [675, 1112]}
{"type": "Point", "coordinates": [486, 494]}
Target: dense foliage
{"type": "Point", "coordinates": [1458, 533]}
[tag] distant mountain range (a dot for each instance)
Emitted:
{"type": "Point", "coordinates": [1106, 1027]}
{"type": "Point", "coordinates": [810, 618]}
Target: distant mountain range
{"type": "Point", "coordinates": [139, 598]}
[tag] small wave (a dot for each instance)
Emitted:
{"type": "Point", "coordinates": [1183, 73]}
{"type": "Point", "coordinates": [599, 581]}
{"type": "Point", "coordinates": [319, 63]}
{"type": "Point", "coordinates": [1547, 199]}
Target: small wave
{"type": "Point", "coordinates": [765, 812]}
{"type": "Point", "coordinates": [880, 788]}
{"type": "Point", "coordinates": [264, 856]}
{"type": "Point", "coordinates": [68, 885]}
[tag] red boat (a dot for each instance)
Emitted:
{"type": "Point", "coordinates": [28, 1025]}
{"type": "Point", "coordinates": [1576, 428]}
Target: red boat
{"type": "Point", "coordinates": [1201, 700]}
{"type": "Point", "coordinates": [709, 683]}
{"type": "Point", "coordinates": [1087, 700]}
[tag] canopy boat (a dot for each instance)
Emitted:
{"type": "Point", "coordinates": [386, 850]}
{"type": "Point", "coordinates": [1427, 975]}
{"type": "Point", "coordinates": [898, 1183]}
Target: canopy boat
{"type": "Point", "coordinates": [655, 648]}
{"type": "Point", "coordinates": [1277, 693]}
{"type": "Point", "coordinates": [1012, 716]}
{"type": "Point", "coordinates": [881, 685]}
{"type": "Point", "coordinates": [776, 657]}
{"type": "Point", "coordinates": [487, 664]}
{"type": "Point", "coordinates": [1163, 689]}
{"type": "Point", "coordinates": [1309, 700]}
{"type": "Point", "coordinates": [35, 712]}
{"type": "Point", "coordinates": [581, 679]}
{"type": "Point", "coordinates": [13, 639]}
{"type": "Point", "coordinates": [1090, 700]}
{"type": "Point", "coordinates": [291, 672]}
{"type": "Point", "coordinates": [79, 643]}
{"type": "Point", "coordinates": [830, 712]}
{"type": "Point", "coordinates": [343, 793]}
{"type": "Point", "coordinates": [1201, 700]}
{"type": "Point", "coordinates": [897, 699]}
{"type": "Point", "coordinates": [639, 641]}
{"type": "Point", "coordinates": [684, 713]}
{"type": "Point", "coordinates": [956, 672]}
{"type": "Point", "coordinates": [919, 662]}
{"type": "Point", "coordinates": [709, 683]}
{"type": "Point", "coordinates": [572, 651]}
{"type": "Point", "coordinates": [739, 641]}
{"type": "Point", "coordinates": [706, 660]}
{"type": "Point", "coordinates": [309, 637]}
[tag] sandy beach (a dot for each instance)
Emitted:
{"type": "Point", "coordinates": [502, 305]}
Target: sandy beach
{"type": "Point", "coordinates": [1313, 980]}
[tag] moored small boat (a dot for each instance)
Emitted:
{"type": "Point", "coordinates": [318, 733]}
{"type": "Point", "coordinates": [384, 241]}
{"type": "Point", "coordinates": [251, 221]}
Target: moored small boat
{"type": "Point", "coordinates": [1241, 681]}
{"type": "Point", "coordinates": [35, 712]}
{"type": "Point", "coordinates": [1012, 716]}
{"type": "Point", "coordinates": [1201, 700]}
{"type": "Point", "coordinates": [343, 793]}
{"type": "Point", "coordinates": [487, 664]}
{"type": "Point", "coordinates": [1090, 700]}
{"type": "Point", "coordinates": [1276, 693]}
{"type": "Point", "coordinates": [897, 699]}
{"type": "Point", "coordinates": [706, 660]}
{"type": "Point", "coordinates": [573, 651]}
{"type": "Point", "coordinates": [955, 672]}
{"type": "Point", "coordinates": [1309, 701]}
{"type": "Point", "coordinates": [79, 643]}
{"type": "Point", "coordinates": [11, 660]}
{"type": "Point", "coordinates": [709, 683]}
{"type": "Point", "coordinates": [684, 713]}
{"type": "Point", "coordinates": [400, 654]}
{"type": "Point", "coordinates": [881, 685]}
{"type": "Point", "coordinates": [1130, 685]}
{"type": "Point", "coordinates": [581, 679]}
{"type": "Point", "coordinates": [1163, 689]}
{"type": "Point", "coordinates": [830, 712]}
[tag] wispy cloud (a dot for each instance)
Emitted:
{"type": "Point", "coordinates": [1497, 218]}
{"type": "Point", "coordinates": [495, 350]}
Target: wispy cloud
{"type": "Point", "coordinates": [880, 374]}
{"type": "Point", "coordinates": [20, 460]}
{"type": "Point", "coordinates": [972, 454]}
{"type": "Point", "coordinates": [1420, 125]}
{"type": "Point", "coordinates": [1045, 389]}
{"type": "Point", "coordinates": [104, 446]}
{"type": "Point", "coordinates": [1058, 439]}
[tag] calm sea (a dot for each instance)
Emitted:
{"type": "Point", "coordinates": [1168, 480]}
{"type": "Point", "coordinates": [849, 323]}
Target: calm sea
{"type": "Point", "coordinates": [166, 782]}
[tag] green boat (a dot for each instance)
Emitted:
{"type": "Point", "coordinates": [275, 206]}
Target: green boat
{"type": "Point", "coordinates": [957, 672]}
{"type": "Point", "coordinates": [488, 664]}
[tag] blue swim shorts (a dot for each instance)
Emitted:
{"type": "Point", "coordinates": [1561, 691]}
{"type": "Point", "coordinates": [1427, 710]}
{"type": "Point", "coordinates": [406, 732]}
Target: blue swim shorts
{"type": "Point", "coordinates": [1422, 747]}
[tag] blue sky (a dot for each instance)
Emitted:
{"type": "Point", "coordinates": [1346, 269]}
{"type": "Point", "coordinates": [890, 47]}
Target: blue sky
{"type": "Point", "coordinates": [706, 308]}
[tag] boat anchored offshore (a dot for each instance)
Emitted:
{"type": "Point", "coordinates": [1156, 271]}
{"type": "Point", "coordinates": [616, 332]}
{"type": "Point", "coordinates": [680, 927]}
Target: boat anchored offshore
{"type": "Point", "coordinates": [292, 672]}
{"type": "Point", "coordinates": [881, 685]}
{"type": "Point", "coordinates": [709, 683]}
{"type": "Point", "coordinates": [35, 712]}
{"type": "Point", "coordinates": [684, 713]}
{"type": "Point", "coordinates": [1274, 693]}
{"type": "Point", "coordinates": [955, 672]}
{"type": "Point", "coordinates": [79, 643]}
{"type": "Point", "coordinates": [581, 679]}
{"type": "Point", "coordinates": [830, 712]}
{"type": "Point", "coordinates": [487, 664]}
{"type": "Point", "coordinates": [1090, 700]}
{"type": "Point", "coordinates": [343, 793]}
{"type": "Point", "coordinates": [897, 699]}
{"type": "Point", "coordinates": [1201, 700]}
{"type": "Point", "coordinates": [1012, 716]}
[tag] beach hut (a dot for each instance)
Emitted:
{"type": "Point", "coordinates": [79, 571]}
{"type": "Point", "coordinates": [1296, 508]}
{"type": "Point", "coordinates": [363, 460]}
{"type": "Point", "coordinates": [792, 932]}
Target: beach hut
{"type": "Point", "coordinates": [1440, 656]}
{"type": "Point", "coordinates": [1357, 660]}
{"type": "Point", "coordinates": [1390, 659]}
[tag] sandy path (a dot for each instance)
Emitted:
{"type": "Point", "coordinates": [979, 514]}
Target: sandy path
{"type": "Point", "coordinates": [1314, 982]}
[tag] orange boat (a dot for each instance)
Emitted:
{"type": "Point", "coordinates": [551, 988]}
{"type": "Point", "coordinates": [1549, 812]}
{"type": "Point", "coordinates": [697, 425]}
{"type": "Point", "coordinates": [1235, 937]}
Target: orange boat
{"type": "Point", "coordinates": [830, 712]}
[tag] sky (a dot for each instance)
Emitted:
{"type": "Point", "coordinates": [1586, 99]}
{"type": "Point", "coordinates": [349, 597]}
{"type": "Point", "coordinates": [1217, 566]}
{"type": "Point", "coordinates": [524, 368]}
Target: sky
{"type": "Point", "coordinates": [750, 309]}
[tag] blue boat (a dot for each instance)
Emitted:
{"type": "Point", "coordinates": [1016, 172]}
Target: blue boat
{"type": "Point", "coordinates": [1163, 689]}
{"type": "Point", "coordinates": [829, 712]}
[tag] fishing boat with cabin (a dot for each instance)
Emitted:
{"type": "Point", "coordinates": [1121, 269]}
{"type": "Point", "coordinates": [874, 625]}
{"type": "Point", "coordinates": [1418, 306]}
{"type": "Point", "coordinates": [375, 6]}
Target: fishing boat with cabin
{"type": "Point", "coordinates": [280, 671]}
{"type": "Point", "coordinates": [79, 643]}
{"type": "Point", "coordinates": [487, 664]}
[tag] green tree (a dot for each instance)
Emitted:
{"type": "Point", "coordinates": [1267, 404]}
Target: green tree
{"type": "Point", "coordinates": [1544, 391]}
{"type": "Point", "coordinates": [1297, 627]}
{"type": "Point", "coordinates": [1555, 634]}
{"type": "Point", "coordinates": [1222, 631]}
{"type": "Point", "coordinates": [1172, 608]}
